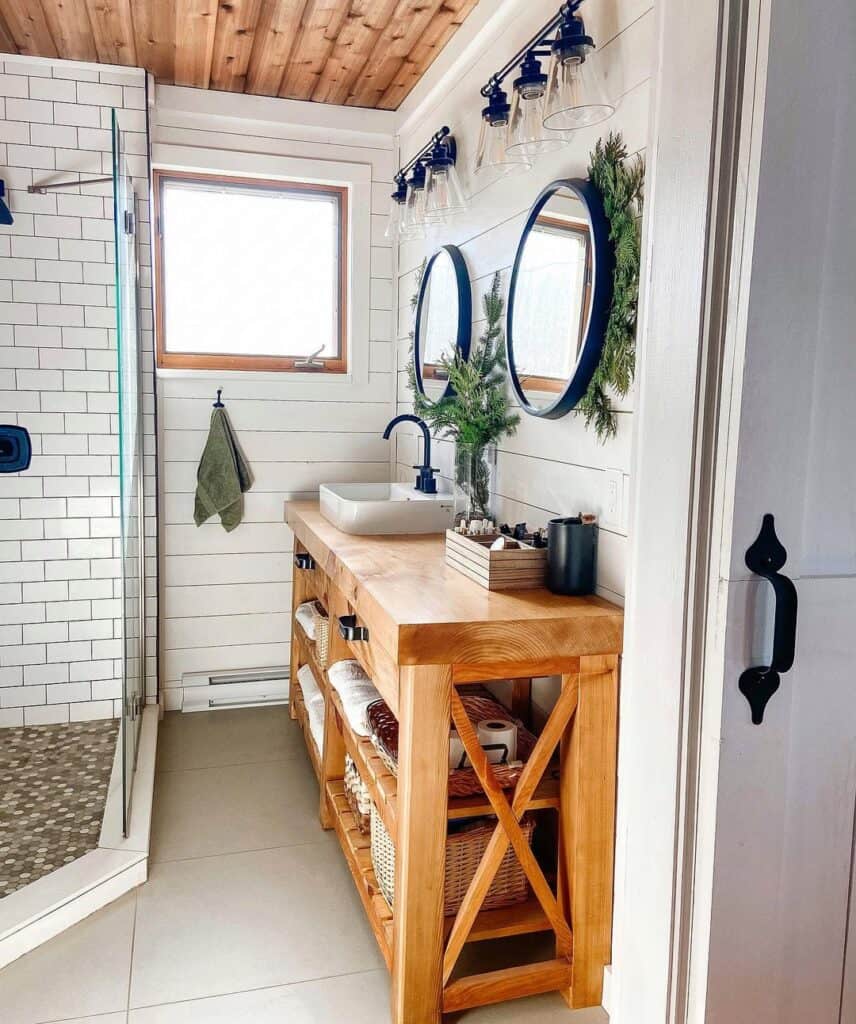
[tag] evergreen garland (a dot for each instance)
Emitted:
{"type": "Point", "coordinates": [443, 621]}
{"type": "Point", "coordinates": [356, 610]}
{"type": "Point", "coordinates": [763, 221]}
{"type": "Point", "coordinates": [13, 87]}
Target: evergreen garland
{"type": "Point", "coordinates": [620, 185]}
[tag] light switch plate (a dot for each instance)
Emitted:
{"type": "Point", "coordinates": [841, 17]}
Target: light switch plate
{"type": "Point", "coordinates": [613, 498]}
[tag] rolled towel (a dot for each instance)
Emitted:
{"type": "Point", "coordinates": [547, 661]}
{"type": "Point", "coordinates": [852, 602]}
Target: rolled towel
{"type": "Point", "coordinates": [344, 673]}
{"type": "Point", "coordinates": [304, 616]}
{"type": "Point", "coordinates": [356, 691]}
{"type": "Point", "coordinates": [308, 686]}
{"type": "Point", "coordinates": [315, 715]}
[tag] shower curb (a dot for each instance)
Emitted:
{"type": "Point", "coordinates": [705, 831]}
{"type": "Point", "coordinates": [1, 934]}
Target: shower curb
{"type": "Point", "coordinates": [57, 901]}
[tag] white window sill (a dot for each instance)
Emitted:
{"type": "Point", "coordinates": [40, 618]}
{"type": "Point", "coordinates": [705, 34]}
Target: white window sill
{"type": "Point", "coordinates": [331, 380]}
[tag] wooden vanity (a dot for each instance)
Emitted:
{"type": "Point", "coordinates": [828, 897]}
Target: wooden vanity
{"type": "Point", "coordinates": [429, 630]}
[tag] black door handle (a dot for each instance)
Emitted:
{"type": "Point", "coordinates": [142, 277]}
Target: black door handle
{"type": "Point", "coordinates": [304, 561]}
{"type": "Point", "coordinates": [765, 557]}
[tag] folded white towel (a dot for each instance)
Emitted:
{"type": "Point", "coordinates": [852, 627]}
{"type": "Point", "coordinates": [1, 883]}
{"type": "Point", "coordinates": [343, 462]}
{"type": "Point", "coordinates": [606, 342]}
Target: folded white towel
{"type": "Point", "coordinates": [308, 686]}
{"type": "Point", "coordinates": [304, 616]}
{"type": "Point", "coordinates": [356, 691]}
{"type": "Point", "coordinates": [315, 714]}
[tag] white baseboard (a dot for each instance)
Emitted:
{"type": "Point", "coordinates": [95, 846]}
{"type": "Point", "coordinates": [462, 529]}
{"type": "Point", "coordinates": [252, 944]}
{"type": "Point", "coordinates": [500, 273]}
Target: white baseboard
{"type": "Point", "coordinates": [46, 907]}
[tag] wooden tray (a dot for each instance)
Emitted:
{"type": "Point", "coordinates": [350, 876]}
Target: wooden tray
{"type": "Point", "coordinates": [520, 568]}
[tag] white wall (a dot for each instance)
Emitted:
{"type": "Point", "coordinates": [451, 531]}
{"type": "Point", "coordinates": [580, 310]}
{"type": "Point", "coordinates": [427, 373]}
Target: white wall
{"type": "Point", "coordinates": [551, 467]}
{"type": "Point", "coordinates": [227, 597]}
{"type": "Point", "coordinates": [60, 582]}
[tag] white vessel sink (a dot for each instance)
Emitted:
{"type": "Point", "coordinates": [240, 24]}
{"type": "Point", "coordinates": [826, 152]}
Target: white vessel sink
{"type": "Point", "coordinates": [385, 508]}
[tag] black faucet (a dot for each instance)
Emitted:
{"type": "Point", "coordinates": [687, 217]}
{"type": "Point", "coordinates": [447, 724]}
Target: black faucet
{"type": "Point", "coordinates": [425, 482]}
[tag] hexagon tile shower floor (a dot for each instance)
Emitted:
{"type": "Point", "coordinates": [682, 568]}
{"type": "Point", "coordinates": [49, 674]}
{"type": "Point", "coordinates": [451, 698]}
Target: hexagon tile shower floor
{"type": "Point", "coordinates": [53, 788]}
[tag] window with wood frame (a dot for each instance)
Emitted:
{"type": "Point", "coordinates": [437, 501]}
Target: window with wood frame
{"type": "Point", "coordinates": [251, 274]}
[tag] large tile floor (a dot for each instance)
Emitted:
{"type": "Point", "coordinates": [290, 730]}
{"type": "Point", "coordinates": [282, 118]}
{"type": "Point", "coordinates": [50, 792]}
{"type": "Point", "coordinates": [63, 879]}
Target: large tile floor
{"type": "Point", "coordinates": [249, 914]}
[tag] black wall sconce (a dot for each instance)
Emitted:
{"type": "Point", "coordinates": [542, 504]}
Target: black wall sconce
{"type": "Point", "coordinates": [546, 106]}
{"type": "Point", "coordinates": [427, 189]}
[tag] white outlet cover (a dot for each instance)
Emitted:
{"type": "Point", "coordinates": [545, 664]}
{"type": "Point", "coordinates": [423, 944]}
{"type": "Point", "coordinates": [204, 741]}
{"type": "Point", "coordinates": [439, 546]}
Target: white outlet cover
{"type": "Point", "coordinates": [613, 498]}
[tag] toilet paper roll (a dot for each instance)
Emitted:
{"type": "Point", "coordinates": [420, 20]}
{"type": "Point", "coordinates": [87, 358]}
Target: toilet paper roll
{"type": "Point", "coordinates": [499, 738]}
{"type": "Point", "coordinates": [456, 751]}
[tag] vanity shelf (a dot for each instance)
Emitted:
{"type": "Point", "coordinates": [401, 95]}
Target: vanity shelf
{"type": "Point", "coordinates": [421, 630]}
{"type": "Point", "coordinates": [523, 919]}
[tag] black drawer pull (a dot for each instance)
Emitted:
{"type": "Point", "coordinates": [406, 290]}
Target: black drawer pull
{"type": "Point", "coordinates": [304, 561]}
{"type": "Point", "coordinates": [350, 630]}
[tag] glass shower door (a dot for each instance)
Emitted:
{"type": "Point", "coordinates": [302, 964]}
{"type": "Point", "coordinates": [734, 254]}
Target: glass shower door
{"type": "Point", "coordinates": [130, 464]}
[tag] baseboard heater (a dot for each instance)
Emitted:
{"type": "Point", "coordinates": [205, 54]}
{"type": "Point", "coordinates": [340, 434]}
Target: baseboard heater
{"type": "Point", "coordinates": [250, 688]}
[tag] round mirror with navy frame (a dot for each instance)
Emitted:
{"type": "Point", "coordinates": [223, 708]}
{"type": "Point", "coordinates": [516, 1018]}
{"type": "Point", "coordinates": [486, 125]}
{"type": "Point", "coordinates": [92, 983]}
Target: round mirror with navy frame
{"type": "Point", "coordinates": [603, 264]}
{"type": "Point", "coordinates": [465, 315]}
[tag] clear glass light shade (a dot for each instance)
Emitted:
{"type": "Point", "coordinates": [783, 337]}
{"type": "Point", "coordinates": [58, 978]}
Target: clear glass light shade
{"type": "Point", "coordinates": [576, 95]}
{"type": "Point", "coordinates": [492, 157]}
{"type": "Point", "coordinates": [393, 228]}
{"type": "Point", "coordinates": [413, 218]}
{"type": "Point", "coordinates": [526, 135]}
{"type": "Point", "coordinates": [444, 194]}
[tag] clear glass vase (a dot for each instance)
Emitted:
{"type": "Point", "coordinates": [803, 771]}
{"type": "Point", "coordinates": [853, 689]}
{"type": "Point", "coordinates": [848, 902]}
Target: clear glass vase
{"type": "Point", "coordinates": [475, 466]}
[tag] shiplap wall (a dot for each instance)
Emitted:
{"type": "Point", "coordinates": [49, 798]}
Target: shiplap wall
{"type": "Point", "coordinates": [60, 574]}
{"type": "Point", "coordinates": [227, 597]}
{"type": "Point", "coordinates": [551, 467]}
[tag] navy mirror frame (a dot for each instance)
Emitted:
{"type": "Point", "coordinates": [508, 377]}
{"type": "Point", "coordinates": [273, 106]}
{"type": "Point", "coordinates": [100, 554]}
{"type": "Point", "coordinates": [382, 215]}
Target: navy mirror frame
{"type": "Point", "coordinates": [465, 313]}
{"type": "Point", "coordinates": [603, 267]}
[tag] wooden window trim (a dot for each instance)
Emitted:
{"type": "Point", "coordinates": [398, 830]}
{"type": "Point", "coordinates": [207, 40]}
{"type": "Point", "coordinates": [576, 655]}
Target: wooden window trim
{"type": "Point", "coordinates": [219, 361]}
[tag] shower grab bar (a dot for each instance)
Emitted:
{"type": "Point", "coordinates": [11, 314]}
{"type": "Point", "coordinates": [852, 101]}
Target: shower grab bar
{"type": "Point", "coordinates": [43, 189]}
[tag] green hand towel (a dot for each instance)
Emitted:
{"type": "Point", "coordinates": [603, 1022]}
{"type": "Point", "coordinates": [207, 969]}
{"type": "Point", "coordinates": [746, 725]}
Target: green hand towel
{"type": "Point", "coordinates": [223, 475]}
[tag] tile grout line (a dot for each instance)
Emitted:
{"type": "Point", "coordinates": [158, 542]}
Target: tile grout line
{"type": "Point", "coordinates": [259, 988]}
{"type": "Point", "coordinates": [238, 853]}
{"type": "Point", "coordinates": [133, 942]}
{"type": "Point", "coordinates": [230, 764]}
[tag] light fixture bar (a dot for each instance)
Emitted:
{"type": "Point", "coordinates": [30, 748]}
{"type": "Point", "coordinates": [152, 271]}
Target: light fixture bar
{"type": "Point", "coordinates": [43, 189]}
{"type": "Point", "coordinates": [436, 139]}
{"type": "Point", "coordinates": [541, 36]}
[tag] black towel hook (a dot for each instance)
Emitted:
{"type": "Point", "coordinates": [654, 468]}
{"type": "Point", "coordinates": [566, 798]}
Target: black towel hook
{"type": "Point", "coordinates": [218, 404]}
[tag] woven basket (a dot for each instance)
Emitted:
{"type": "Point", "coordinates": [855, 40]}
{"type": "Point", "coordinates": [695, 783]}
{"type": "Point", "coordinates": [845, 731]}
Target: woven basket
{"type": "Point", "coordinates": [322, 634]}
{"type": "Point", "coordinates": [464, 850]}
{"type": "Point", "coordinates": [357, 796]}
{"type": "Point", "coordinates": [462, 781]}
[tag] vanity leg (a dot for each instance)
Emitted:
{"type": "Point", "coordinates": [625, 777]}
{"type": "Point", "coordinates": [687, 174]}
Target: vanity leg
{"type": "Point", "coordinates": [333, 757]}
{"type": "Point", "coordinates": [423, 749]}
{"type": "Point", "coordinates": [587, 825]}
{"type": "Point", "coordinates": [521, 700]}
{"type": "Point", "coordinates": [332, 764]}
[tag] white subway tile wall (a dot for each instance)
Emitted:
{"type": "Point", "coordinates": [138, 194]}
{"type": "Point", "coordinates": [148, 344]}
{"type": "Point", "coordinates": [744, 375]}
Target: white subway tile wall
{"type": "Point", "coordinates": [60, 583]}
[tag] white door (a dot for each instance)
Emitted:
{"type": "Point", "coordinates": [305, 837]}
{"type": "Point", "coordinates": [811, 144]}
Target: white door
{"type": "Point", "coordinates": [781, 794]}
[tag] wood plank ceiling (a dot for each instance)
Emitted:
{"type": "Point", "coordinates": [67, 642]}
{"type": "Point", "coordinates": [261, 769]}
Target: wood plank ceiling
{"type": "Point", "coordinates": [362, 53]}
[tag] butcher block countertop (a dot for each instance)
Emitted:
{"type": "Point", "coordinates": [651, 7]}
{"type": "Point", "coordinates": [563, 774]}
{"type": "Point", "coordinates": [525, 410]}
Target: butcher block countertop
{"type": "Point", "coordinates": [423, 611]}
